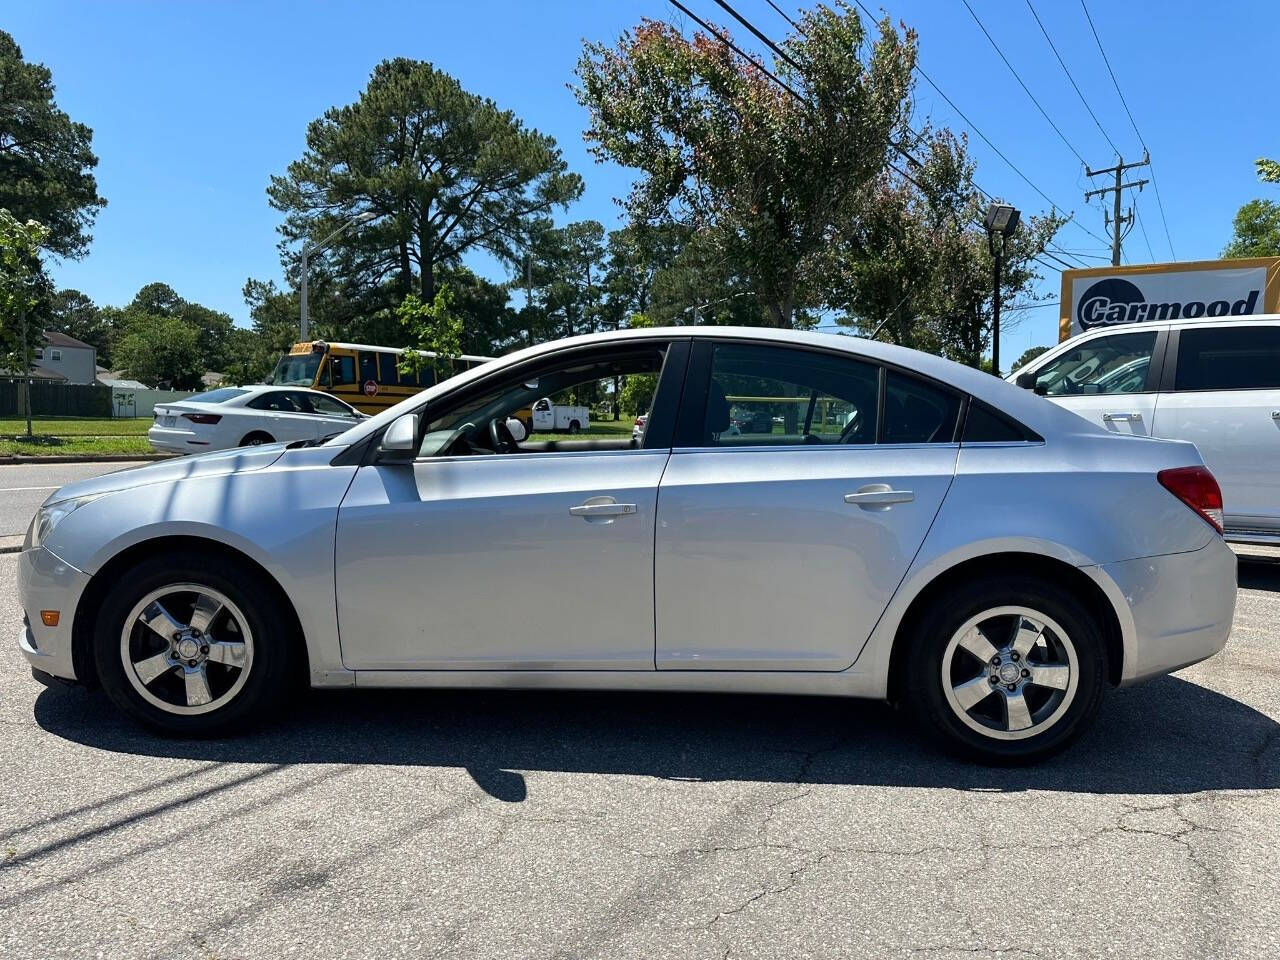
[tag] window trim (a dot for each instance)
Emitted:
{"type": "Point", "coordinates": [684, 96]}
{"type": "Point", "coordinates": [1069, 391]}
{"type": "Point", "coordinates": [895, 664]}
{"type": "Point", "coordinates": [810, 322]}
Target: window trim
{"type": "Point", "coordinates": [1169, 382]}
{"type": "Point", "coordinates": [693, 406]}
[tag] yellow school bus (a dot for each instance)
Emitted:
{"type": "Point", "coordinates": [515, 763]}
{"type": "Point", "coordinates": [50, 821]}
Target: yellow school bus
{"type": "Point", "coordinates": [366, 377]}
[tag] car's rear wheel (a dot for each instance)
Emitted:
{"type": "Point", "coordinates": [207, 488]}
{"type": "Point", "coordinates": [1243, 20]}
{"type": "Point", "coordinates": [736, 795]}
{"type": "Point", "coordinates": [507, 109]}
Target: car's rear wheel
{"type": "Point", "coordinates": [1006, 669]}
{"type": "Point", "coordinates": [193, 647]}
{"type": "Point", "coordinates": [574, 426]}
{"type": "Point", "coordinates": [256, 439]}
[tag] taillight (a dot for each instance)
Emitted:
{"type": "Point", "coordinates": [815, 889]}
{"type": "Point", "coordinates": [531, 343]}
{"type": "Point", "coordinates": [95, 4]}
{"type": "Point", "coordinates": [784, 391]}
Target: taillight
{"type": "Point", "coordinates": [202, 417]}
{"type": "Point", "coordinates": [1196, 487]}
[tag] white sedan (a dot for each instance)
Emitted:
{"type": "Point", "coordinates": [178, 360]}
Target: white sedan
{"type": "Point", "coordinates": [247, 417]}
{"type": "Point", "coordinates": [960, 546]}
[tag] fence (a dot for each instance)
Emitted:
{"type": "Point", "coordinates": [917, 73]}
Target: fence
{"type": "Point", "coordinates": [142, 403]}
{"type": "Point", "coordinates": [82, 400]}
{"type": "Point", "coordinates": [56, 399]}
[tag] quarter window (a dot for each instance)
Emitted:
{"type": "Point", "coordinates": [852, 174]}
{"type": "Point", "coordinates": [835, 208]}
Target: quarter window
{"type": "Point", "coordinates": [1104, 365]}
{"type": "Point", "coordinates": [1228, 358]}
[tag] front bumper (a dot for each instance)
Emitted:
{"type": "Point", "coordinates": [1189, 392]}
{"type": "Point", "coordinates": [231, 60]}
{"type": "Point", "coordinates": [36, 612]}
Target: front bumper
{"type": "Point", "coordinates": [45, 582]}
{"type": "Point", "coordinates": [1181, 607]}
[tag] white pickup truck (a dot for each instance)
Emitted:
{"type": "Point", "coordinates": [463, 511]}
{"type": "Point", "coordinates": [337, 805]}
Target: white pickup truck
{"type": "Point", "coordinates": [551, 417]}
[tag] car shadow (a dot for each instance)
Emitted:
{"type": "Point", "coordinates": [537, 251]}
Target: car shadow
{"type": "Point", "coordinates": [1258, 573]}
{"type": "Point", "coordinates": [1166, 736]}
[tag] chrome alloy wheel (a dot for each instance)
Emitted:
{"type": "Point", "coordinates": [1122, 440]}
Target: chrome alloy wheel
{"type": "Point", "coordinates": [186, 648]}
{"type": "Point", "coordinates": [1010, 673]}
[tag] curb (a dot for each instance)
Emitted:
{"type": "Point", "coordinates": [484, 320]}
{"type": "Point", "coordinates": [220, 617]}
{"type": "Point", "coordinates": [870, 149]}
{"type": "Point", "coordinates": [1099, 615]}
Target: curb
{"type": "Point", "coordinates": [87, 458]}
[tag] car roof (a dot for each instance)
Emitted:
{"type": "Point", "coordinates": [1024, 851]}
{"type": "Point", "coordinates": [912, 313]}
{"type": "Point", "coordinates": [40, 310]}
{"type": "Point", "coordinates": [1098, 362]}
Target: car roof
{"type": "Point", "coordinates": [1035, 412]}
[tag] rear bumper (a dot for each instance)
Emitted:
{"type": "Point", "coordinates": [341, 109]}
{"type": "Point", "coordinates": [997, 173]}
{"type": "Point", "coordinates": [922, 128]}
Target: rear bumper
{"type": "Point", "coordinates": [1180, 608]}
{"type": "Point", "coordinates": [45, 582]}
{"type": "Point", "coordinates": [168, 440]}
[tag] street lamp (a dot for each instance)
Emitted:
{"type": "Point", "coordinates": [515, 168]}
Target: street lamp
{"type": "Point", "coordinates": [309, 248]}
{"type": "Point", "coordinates": [1001, 220]}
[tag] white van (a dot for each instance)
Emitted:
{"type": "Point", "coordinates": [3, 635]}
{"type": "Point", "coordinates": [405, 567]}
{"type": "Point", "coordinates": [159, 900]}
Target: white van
{"type": "Point", "coordinates": [1213, 382]}
{"type": "Point", "coordinates": [551, 417]}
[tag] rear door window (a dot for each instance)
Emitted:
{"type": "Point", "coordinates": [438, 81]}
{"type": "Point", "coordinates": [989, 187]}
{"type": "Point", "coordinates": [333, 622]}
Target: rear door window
{"type": "Point", "coordinates": [1228, 358]}
{"type": "Point", "coordinates": [916, 411]}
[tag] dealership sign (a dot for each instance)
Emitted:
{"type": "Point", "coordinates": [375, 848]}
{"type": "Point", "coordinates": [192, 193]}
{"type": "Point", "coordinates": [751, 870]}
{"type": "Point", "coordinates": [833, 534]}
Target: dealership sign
{"type": "Point", "coordinates": [1121, 295]}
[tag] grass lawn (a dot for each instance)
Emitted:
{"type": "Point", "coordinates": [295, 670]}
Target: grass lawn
{"type": "Point", "coordinates": [600, 430]}
{"type": "Point", "coordinates": [76, 426]}
{"type": "Point", "coordinates": [46, 446]}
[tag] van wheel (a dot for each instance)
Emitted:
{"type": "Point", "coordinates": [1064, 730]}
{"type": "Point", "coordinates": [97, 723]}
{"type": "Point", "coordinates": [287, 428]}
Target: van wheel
{"type": "Point", "coordinates": [1006, 669]}
{"type": "Point", "coordinates": [193, 646]}
{"type": "Point", "coordinates": [256, 439]}
{"type": "Point", "coordinates": [574, 427]}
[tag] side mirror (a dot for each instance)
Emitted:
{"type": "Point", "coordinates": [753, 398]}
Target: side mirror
{"type": "Point", "coordinates": [517, 429]}
{"type": "Point", "coordinates": [399, 442]}
{"type": "Point", "coordinates": [1027, 381]}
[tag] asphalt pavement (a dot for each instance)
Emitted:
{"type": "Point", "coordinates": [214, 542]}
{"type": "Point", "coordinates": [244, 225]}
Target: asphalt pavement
{"type": "Point", "coordinates": [477, 824]}
{"type": "Point", "coordinates": [23, 487]}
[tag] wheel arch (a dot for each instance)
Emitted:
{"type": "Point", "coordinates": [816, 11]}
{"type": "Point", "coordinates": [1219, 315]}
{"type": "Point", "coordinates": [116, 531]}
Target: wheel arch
{"type": "Point", "coordinates": [1023, 564]}
{"type": "Point", "coordinates": [95, 592]}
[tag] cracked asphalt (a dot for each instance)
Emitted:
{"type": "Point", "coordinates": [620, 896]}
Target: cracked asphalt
{"type": "Point", "coordinates": [466, 824]}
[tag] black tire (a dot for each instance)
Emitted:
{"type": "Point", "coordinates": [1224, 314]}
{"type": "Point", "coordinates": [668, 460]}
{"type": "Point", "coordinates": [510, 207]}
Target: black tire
{"type": "Point", "coordinates": [256, 439]}
{"type": "Point", "coordinates": [272, 672]}
{"type": "Point", "coordinates": [574, 427]}
{"type": "Point", "coordinates": [923, 683]}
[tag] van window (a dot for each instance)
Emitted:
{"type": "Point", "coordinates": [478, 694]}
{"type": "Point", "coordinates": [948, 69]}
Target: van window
{"type": "Point", "coordinates": [1103, 365]}
{"type": "Point", "coordinates": [1228, 358]}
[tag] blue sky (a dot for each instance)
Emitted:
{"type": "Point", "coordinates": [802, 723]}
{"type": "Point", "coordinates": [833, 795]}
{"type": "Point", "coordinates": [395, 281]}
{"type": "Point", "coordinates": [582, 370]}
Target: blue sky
{"type": "Point", "coordinates": [195, 105]}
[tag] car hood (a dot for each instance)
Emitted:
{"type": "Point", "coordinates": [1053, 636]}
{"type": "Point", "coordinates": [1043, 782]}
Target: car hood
{"type": "Point", "coordinates": [240, 460]}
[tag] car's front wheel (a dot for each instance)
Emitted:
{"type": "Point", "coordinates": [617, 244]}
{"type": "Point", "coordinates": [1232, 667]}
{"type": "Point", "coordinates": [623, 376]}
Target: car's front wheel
{"type": "Point", "coordinates": [193, 647]}
{"type": "Point", "coordinates": [1006, 669]}
{"type": "Point", "coordinates": [256, 439]}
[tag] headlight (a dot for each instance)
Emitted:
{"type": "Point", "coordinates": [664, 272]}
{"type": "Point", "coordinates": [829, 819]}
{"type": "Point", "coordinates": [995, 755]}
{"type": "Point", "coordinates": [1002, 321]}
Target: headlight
{"type": "Point", "coordinates": [52, 514]}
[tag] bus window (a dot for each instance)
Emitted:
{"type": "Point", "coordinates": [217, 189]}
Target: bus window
{"type": "Point", "coordinates": [342, 370]}
{"type": "Point", "coordinates": [388, 375]}
{"type": "Point", "coordinates": [368, 367]}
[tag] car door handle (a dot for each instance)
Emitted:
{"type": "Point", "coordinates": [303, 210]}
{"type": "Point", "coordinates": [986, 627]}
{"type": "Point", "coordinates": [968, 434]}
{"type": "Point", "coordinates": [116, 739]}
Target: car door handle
{"type": "Point", "coordinates": [879, 496]}
{"type": "Point", "coordinates": [1122, 416]}
{"type": "Point", "coordinates": [602, 507]}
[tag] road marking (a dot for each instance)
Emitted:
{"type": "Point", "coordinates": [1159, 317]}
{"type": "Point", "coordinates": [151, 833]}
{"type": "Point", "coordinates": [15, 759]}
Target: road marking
{"type": "Point", "coordinates": [16, 489]}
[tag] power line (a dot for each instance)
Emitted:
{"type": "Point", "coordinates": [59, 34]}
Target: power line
{"type": "Point", "coordinates": [1116, 83]}
{"type": "Point", "coordinates": [783, 15]}
{"type": "Point", "coordinates": [1143, 228]}
{"type": "Point", "coordinates": [987, 140]}
{"type": "Point", "coordinates": [1025, 88]}
{"type": "Point", "coordinates": [758, 35]}
{"type": "Point", "coordinates": [1074, 86]}
{"type": "Point", "coordinates": [723, 36]}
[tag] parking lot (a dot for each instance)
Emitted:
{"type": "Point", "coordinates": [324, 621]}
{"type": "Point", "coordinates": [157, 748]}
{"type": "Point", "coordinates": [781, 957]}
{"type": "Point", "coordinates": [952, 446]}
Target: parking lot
{"type": "Point", "coordinates": [472, 824]}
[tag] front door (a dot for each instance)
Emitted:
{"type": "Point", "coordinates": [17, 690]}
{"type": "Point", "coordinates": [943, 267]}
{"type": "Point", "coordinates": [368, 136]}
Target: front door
{"type": "Point", "coordinates": [492, 554]}
{"type": "Point", "coordinates": [1109, 380]}
{"type": "Point", "coordinates": [1225, 399]}
{"type": "Point", "coordinates": [787, 520]}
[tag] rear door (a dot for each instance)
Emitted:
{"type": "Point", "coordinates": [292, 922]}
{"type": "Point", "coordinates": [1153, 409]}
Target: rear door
{"type": "Point", "coordinates": [1223, 394]}
{"type": "Point", "coordinates": [801, 487]}
{"type": "Point", "coordinates": [1111, 379]}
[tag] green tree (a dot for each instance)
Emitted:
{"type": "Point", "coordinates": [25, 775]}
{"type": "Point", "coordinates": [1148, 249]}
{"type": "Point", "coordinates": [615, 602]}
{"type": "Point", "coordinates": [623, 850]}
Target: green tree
{"type": "Point", "coordinates": [432, 327]}
{"type": "Point", "coordinates": [24, 292]}
{"type": "Point", "coordinates": [73, 313]}
{"type": "Point", "coordinates": [160, 350]}
{"type": "Point", "coordinates": [46, 160]}
{"type": "Point", "coordinates": [1027, 356]}
{"type": "Point", "coordinates": [768, 180]}
{"type": "Point", "coordinates": [1256, 231]}
{"type": "Point", "coordinates": [213, 327]}
{"type": "Point", "coordinates": [1268, 170]}
{"type": "Point", "coordinates": [446, 172]}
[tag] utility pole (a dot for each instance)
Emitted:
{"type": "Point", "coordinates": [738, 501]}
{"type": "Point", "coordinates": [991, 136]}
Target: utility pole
{"type": "Point", "coordinates": [1117, 221]}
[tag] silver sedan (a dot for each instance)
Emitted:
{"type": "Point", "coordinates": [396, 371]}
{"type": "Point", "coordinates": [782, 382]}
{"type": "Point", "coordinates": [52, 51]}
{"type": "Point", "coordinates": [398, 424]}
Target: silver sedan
{"type": "Point", "coordinates": [802, 514]}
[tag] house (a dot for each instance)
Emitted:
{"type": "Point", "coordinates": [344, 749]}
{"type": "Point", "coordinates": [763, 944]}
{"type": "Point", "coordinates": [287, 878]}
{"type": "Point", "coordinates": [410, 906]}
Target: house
{"type": "Point", "coordinates": [66, 358]}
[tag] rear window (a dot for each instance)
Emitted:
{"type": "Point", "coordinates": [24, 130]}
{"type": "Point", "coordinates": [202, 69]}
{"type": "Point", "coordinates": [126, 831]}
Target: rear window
{"type": "Point", "coordinates": [221, 395]}
{"type": "Point", "coordinates": [1228, 358]}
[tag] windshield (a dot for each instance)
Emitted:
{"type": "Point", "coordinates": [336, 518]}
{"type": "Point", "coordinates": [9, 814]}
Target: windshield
{"type": "Point", "coordinates": [296, 370]}
{"type": "Point", "coordinates": [218, 396]}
